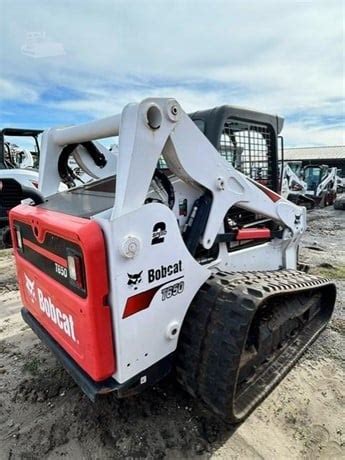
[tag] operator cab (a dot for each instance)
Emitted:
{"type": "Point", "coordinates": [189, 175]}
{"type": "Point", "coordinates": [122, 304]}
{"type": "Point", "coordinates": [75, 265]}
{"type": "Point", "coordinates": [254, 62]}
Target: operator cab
{"type": "Point", "coordinates": [246, 139]}
{"type": "Point", "coordinates": [314, 175]}
{"type": "Point", "coordinates": [19, 148]}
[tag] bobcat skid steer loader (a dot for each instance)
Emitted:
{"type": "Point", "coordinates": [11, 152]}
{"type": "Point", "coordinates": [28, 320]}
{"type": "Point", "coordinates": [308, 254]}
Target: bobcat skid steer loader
{"type": "Point", "coordinates": [294, 188]}
{"type": "Point", "coordinates": [137, 274]}
{"type": "Point", "coordinates": [18, 168]}
{"type": "Point", "coordinates": [321, 183]}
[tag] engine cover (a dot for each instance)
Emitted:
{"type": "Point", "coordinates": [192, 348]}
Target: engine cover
{"type": "Point", "coordinates": [73, 311]}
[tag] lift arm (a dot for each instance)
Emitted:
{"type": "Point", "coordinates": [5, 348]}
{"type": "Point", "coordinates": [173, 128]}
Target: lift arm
{"type": "Point", "coordinates": [159, 126]}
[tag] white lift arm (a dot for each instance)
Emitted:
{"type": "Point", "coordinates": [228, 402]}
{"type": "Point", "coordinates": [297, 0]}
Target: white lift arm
{"type": "Point", "coordinates": [158, 126]}
{"type": "Point", "coordinates": [291, 179]}
{"type": "Point", "coordinates": [330, 181]}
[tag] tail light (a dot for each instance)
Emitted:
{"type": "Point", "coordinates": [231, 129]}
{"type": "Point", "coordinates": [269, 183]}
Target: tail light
{"type": "Point", "coordinates": [75, 269]}
{"type": "Point", "coordinates": [19, 238]}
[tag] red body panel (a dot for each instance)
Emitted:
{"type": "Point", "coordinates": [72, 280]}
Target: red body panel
{"type": "Point", "coordinates": [82, 326]}
{"type": "Point", "coordinates": [253, 234]}
{"type": "Point", "coordinates": [270, 193]}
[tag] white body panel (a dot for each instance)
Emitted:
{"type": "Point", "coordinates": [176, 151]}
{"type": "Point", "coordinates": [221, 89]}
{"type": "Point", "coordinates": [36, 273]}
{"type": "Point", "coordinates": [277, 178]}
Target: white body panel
{"type": "Point", "coordinates": [267, 256]}
{"type": "Point", "coordinates": [25, 177]}
{"type": "Point", "coordinates": [138, 344]}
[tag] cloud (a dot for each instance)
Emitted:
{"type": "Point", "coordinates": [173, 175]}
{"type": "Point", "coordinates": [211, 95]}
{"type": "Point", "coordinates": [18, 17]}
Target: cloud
{"type": "Point", "coordinates": [14, 91]}
{"type": "Point", "coordinates": [279, 56]}
{"type": "Point", "coordinates": [299, 135]}
{"type": "Point", "coordinates": [104, 103]}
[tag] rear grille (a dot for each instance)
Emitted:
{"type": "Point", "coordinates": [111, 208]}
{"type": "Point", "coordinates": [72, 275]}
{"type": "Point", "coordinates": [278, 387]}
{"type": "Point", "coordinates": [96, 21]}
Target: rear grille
{"type": "Point", "coordinates": [249, 147]}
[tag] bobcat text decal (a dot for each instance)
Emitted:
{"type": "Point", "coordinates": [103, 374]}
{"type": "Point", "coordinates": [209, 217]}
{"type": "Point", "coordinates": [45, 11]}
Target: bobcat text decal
{"type": "Point", "coordinates": [55, 314]}
{"type": "Point", "coordinates": [156, 274]}
{"type": "Point", "coordinates": [63, 321]}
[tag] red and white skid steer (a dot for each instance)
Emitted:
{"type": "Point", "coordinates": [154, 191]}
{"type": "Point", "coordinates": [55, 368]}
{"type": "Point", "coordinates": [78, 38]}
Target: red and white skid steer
{"type": "Point", "coordinates": [129, 277]}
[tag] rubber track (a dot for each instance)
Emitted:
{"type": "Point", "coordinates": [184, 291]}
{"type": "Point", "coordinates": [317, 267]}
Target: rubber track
{"type": "Point", "coordinates": [215, 331]}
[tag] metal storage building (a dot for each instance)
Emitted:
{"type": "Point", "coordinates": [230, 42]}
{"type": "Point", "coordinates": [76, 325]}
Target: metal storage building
{"type": "Point", "coordinates": [328, 155]}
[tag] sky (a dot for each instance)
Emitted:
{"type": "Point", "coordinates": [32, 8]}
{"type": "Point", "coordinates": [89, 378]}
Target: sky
{"type": "Point", "coordinates": [66, 62]}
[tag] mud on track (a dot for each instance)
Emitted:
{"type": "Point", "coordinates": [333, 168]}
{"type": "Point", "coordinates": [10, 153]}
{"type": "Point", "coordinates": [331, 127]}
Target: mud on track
{"type": "Point", "coordinates": [44, 415]}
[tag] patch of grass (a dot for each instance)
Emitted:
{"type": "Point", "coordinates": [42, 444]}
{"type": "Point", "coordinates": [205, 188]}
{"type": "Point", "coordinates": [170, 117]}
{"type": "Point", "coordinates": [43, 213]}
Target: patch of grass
{"type": "Point", "coordinates": [32, 365]}
{"type": "Point", "coordinates": [330, 272]}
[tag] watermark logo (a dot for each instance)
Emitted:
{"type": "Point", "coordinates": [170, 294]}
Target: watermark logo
{"type": "Point", "coordinates": [38, 45]}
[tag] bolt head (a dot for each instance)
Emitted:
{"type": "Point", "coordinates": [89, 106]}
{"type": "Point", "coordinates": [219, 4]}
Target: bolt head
{"type": "Point", "coordinates": [173, 110]}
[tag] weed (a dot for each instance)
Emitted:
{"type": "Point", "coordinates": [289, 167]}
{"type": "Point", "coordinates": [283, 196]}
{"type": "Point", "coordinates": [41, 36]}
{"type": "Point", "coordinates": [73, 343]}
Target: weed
{"type": "Point", "coordinates": [32, 366]}
{"type": "Point", "coordinates": [330, 272]}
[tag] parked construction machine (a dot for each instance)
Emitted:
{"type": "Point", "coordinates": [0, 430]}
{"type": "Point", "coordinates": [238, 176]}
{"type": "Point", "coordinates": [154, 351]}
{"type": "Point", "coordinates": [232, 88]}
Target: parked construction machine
{"type": "Point", "coordinates": [321, 183]}
{"type": "Point", "coordinates": [140, 273]}
{"type": "Point", "coordinates": [294, 188]}
{"type": "Point", "coordinates": [20, 165]}
{"type": "Point", "coordinates": [19, 161]}
{"type": "Point", "coordinates": [13, 156]}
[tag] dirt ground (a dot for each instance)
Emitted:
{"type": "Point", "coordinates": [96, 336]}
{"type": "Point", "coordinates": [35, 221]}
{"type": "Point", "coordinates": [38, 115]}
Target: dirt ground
{"type": "Point", "coordinates": [43, 415]}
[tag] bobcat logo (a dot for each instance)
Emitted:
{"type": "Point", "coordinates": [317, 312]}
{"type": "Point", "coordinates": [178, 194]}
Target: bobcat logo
{"type": "Point", "coordinates": [30, 286]}
{"type": "Point", "coordinates": [134, 279]}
